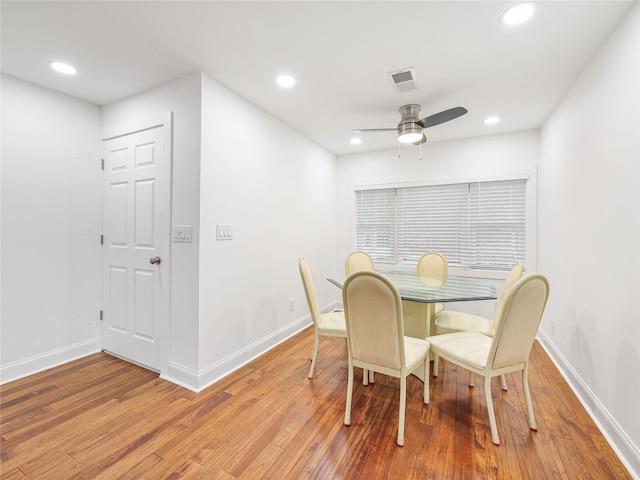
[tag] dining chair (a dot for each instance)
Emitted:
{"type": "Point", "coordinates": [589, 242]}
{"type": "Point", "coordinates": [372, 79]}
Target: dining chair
{"type": "Point", "coordinates": [450, 321]}
{"type": "Point", "coordinates": [508, 350]}
{"type": "Point", "coordinates": [432, 270]}
{"type": "Point", "coordinates": [325, 324]}
{"type": "Point", "coordinates": [375, 337]}
{"type": "Point", "coordinates": [357, 261]}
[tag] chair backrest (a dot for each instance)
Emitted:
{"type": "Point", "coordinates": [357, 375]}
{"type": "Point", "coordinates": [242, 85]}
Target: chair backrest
{"type": "Point", "coordinates": [432, 269]}
{"type": "Point", "coordinates": [520, 318]}
{"type": "Point", "coordinates": [357, 261]}
{"type": "Point", "coordinates": [373, 314]}
{"type": "Point", "coordinates": [310, 291]}
{"type": "Point", "coordinates": [514, 275]}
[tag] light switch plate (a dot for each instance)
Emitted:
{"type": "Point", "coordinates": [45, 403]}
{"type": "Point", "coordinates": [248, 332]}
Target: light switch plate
{"type": "Point", "coordinates": [182, 233]}
{"type": "Point", "coordinates": [224, 232]}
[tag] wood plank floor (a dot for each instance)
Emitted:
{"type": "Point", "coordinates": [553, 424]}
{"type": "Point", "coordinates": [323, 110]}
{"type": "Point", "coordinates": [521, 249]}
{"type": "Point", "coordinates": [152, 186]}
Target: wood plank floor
{"type": "Point", "coordinates": [102, 418]}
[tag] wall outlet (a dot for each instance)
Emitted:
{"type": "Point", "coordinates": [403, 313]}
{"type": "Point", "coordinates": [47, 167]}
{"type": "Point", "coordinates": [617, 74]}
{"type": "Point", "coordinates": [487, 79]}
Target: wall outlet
{"type": "Point", "coordinates": [291, 305]}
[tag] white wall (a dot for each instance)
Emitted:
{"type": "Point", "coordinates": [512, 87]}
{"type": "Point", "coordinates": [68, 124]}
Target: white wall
{"type": "Point", "coordinates": [277, 190]}
{"type": "Point", "coordinates": [230, 299]}
{"type": "Point", "coordinates": [183, 98]}
{"type": "Point", "coordinates": [589, 235]}
{"type": "Point", "coordinates": [50, 228]}
{"type": "Point", "coordinates": [482, 156]}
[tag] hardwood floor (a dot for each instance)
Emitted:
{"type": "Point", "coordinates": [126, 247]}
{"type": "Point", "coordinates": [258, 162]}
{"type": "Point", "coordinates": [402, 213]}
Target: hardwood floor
{"type": "Point", "coordinates": [102, 418]}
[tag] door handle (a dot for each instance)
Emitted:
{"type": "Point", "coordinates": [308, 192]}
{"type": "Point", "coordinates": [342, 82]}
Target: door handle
{"type": "Point", "coordinates": [155, 260]}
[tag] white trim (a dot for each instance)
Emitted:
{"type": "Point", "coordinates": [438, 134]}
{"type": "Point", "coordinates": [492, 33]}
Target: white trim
{"type": "Point", "coordinates": [495, 177]}
{"type": "Point", "coordinates": [45, 361]}
{"type": "Point", "coordinates": [138, 125]}
{"type": "Point", "coordinates": [197, 381]}
{"type": "Point", "coordinates": [621, 444]}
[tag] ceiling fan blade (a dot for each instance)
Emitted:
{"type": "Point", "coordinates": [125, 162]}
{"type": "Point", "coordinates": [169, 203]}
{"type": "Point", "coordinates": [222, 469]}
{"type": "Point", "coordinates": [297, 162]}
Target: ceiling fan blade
{"type": "Point", "coordinates": [364, 130]}
{"type": "Point", "coordinates": [441, 117]}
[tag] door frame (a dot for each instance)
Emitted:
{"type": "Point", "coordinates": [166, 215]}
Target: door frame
{"type": "Point", "coordinates": [164, 120]}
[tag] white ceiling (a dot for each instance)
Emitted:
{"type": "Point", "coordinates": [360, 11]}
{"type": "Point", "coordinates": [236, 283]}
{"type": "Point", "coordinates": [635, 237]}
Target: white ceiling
{"type": "Point", "coordinates": [340, 53]}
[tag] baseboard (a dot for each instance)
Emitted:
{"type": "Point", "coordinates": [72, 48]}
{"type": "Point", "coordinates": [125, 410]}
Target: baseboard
{"type": "Point", "coordinates": [39, 363]}
{"type": "Point", "coordinates": [628, 453]}
{"type": "Point", "coordinates": [197, 381]}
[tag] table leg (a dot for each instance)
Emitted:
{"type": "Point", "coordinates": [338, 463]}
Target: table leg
{"type": "Point", "coordinates": [419, 321]}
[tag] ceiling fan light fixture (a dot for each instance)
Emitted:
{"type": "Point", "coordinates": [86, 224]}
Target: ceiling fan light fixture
{"type": "Point", "coordinates": [409, 133]}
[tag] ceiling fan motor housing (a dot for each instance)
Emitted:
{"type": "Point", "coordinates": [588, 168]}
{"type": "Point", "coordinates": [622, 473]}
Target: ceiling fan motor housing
{"type": "Point", "coordinates": [409, 113]}
{"type": "Point", "coordinates": [409, 118]}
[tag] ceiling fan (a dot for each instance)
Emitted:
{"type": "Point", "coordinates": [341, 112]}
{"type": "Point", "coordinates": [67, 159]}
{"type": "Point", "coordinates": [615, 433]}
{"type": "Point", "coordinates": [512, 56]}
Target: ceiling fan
{"type": "Point", "coordinates": [411, 126]}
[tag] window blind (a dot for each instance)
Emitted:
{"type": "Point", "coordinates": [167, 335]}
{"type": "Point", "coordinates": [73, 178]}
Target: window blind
{"type": "Point", "coordinates": [497, 221]}
{"type": "Point", "coordinates": [477, 225]}
{"type": "Point", "coordinates": [375, 223]}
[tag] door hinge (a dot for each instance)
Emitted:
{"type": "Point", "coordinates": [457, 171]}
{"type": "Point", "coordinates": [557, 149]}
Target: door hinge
{"type": "Point", "coordinates": [101, 315]}
{"type": "Point", "coordinates": [102, 163]}
{"type": "Point", "coordinates": [101, 239]}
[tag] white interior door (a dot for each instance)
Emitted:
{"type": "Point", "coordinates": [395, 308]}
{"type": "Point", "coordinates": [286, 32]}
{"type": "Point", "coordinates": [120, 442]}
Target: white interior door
{"type": "Point", "coordinates": [135, 225]}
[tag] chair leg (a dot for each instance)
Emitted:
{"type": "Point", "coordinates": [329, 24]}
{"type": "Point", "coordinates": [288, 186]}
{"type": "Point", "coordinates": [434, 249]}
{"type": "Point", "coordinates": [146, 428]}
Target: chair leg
{"type": "Point", "coordinates": [314, 355]}
{"type": "Point", "coordinates": [425, 393]}
{"type": "Point", "coordinates": [347, 410]}
{"type": "Point", "coordinates": [472, 381]}
{"type": "Point", "coordinates": [365, 377]}
{"type": "Point", "coordinates": [492, 416]}
{"type": "Point", "coordinates": [527, 396]}
{"type": "Point", "coordinates": [503, 382]}
{"type": "Point", "coordinates": [371, 374]}
{"type": "Point", "coordinates": [403, 401]}
{"type": "Point", "coordinates": [436, 365]}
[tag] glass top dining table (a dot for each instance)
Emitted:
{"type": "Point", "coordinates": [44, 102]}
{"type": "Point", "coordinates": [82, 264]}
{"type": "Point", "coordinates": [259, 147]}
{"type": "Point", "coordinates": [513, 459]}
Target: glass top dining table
{"type": "Point", "coordinates": [455, 289]}
{"type": "Point", "coordinates": [419, 299]}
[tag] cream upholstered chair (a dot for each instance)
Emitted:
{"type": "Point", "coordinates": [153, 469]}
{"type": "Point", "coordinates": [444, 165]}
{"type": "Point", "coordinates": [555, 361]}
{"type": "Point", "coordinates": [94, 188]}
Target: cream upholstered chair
{"type": "Point", "coordinates": [432, 269]}
{"type": "Point", "coordinates": [357, 261]}
{"type": "Point", "coordinates": [327, 324]}
{"type": "Point", "coordinates": [375, 337]}
{"type": "Point", "coordinates": [508, 350]}
{"type": "Point", "coordinates": [451, 321]}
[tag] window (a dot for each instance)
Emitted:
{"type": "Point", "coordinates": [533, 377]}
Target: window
{"type": "Point", "coordinates": [475, 225]}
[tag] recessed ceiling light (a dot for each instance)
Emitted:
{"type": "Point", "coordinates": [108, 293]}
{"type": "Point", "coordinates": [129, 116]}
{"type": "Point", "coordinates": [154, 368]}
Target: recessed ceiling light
{"type": "Point", "coordinates": [63, 68]}
{"type": "Point", "coordinates": [491, 120]}
{"type": "Point", "coordinates": [355, 141]}
{"type": "Point", "coordinates": [286, 81]}
{"type": "Point", "coordinates": [518, 14]}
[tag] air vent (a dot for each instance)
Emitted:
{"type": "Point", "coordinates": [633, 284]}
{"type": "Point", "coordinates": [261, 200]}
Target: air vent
{"type": "Point", "coordinates": [404, 80]}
